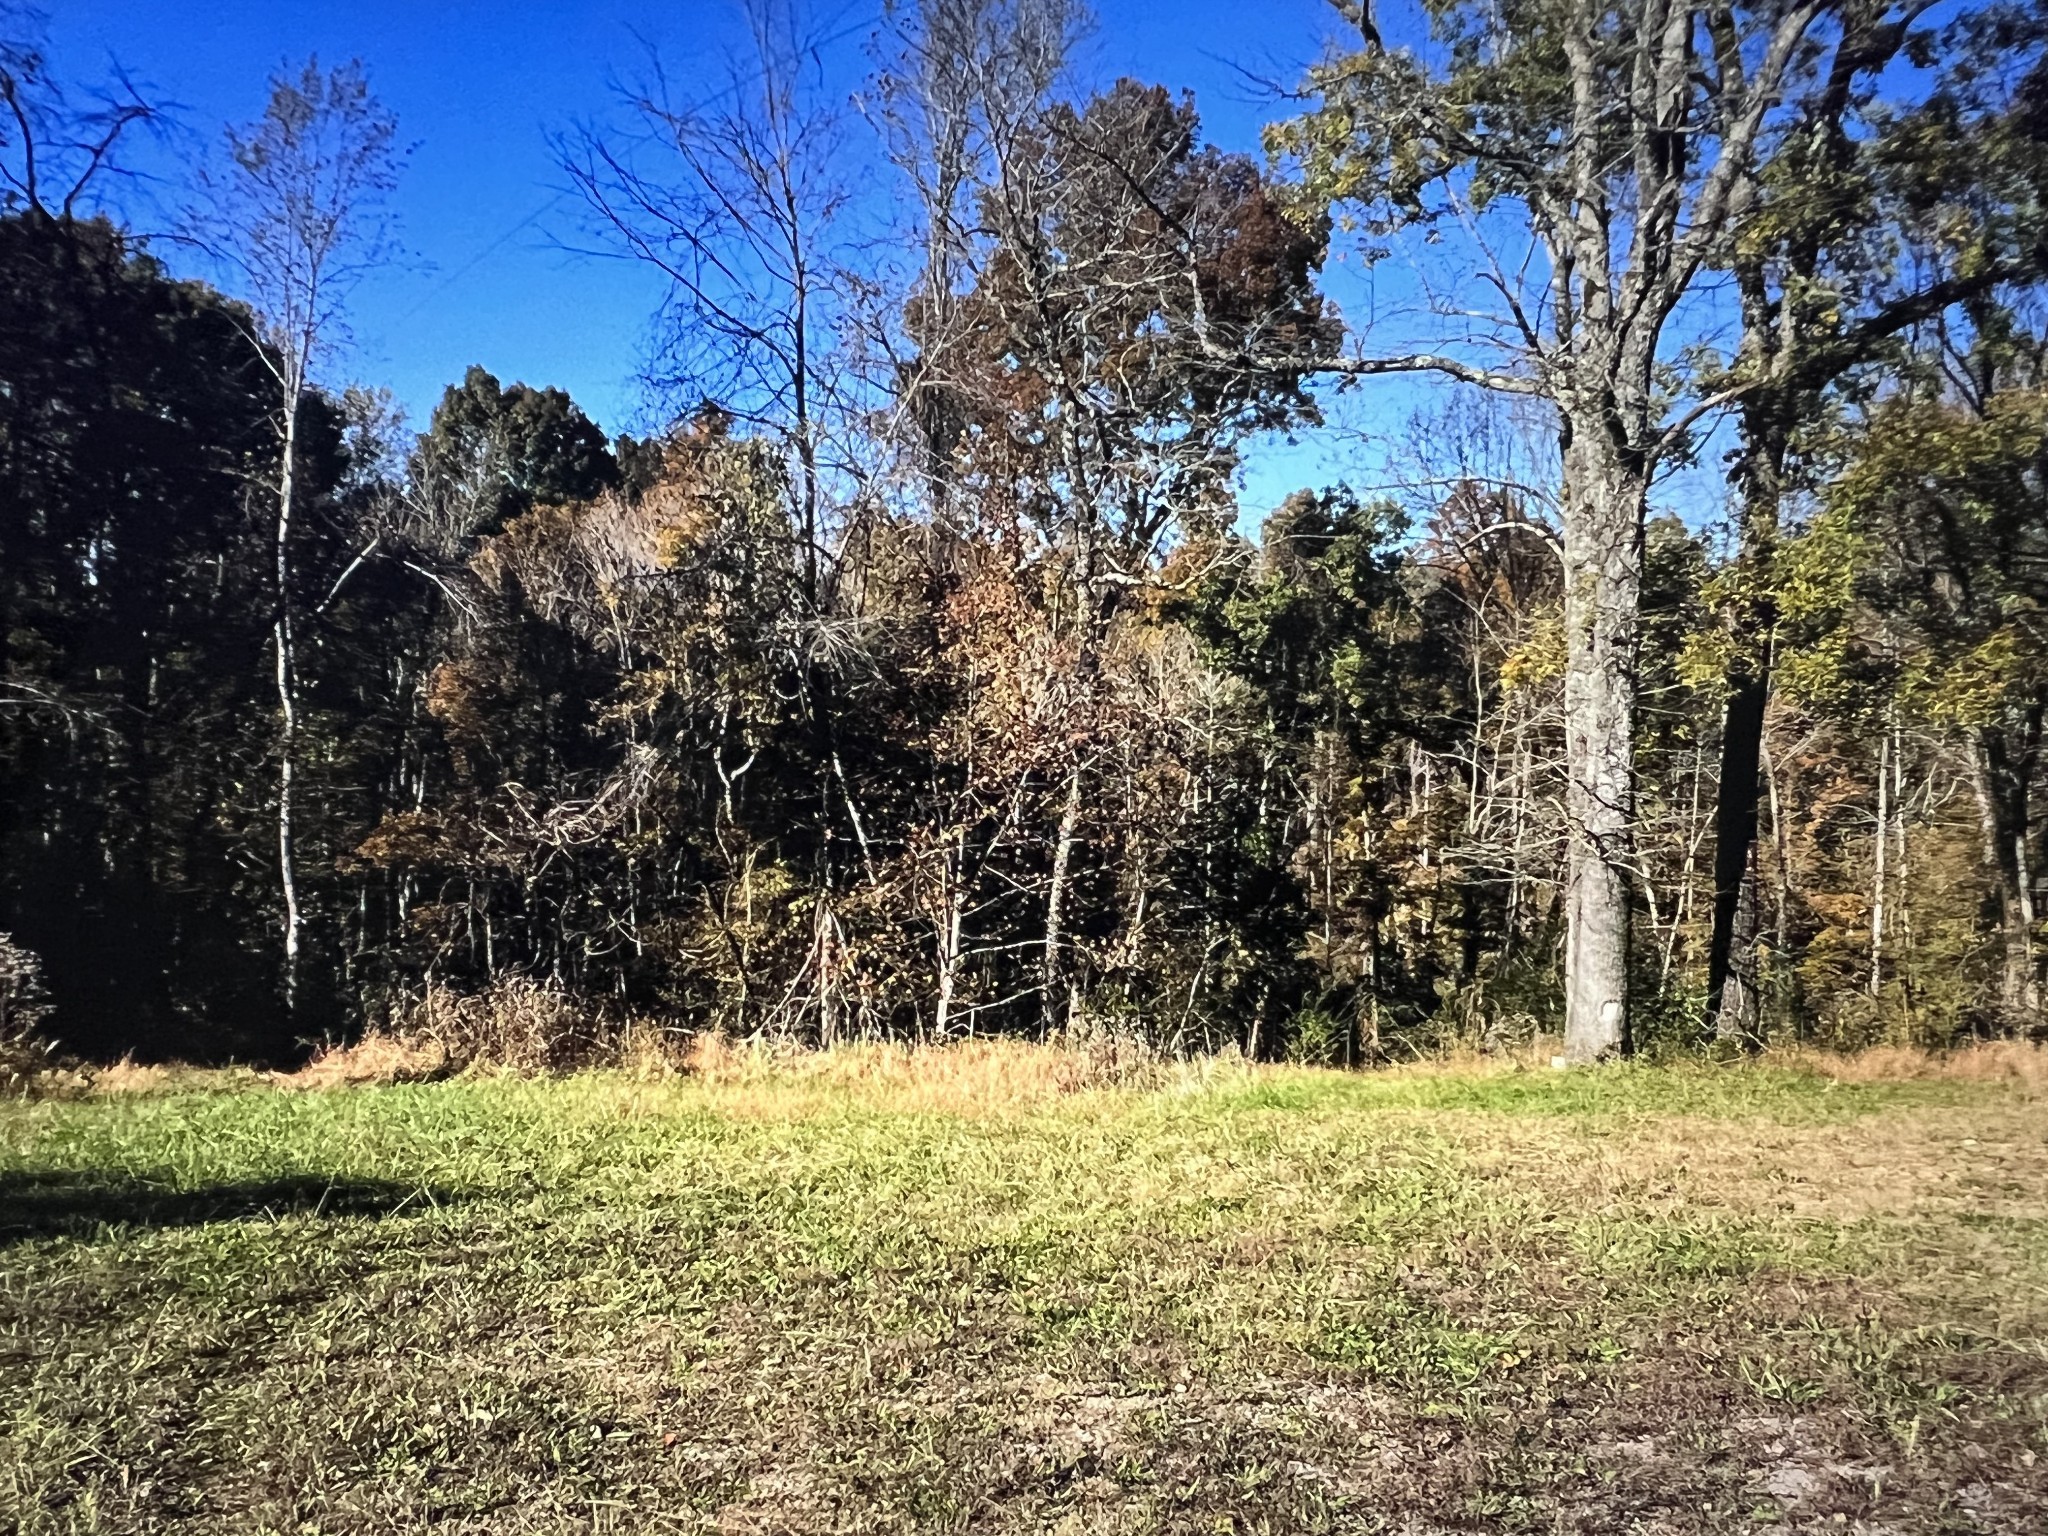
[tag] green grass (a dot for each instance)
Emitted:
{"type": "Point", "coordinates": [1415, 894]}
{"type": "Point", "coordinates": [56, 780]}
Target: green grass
{"type": "Point", "coordinates": [1656, 1299]}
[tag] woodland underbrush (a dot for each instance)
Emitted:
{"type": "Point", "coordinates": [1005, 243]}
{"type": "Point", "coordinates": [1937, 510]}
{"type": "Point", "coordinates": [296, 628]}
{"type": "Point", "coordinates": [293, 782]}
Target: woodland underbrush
{"type": "Point", "coordinates": [525, 1027]}
{"type": "Point", "coordinates": [522, 1028]}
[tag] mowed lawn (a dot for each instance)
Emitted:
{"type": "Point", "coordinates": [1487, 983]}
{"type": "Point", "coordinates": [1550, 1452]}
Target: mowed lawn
{"type": "Point", "coordinates": [884, 1293]}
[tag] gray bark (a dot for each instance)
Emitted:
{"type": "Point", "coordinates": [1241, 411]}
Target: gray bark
{"type": "Point", "coordinates": [1053, 966]}
{"type": "Point", "coordinates": [950, 926]}
{"type": "Point", "coordinates": [1603, 530]}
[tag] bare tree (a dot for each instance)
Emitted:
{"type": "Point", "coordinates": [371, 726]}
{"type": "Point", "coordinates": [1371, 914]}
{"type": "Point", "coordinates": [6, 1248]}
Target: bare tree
{"type": "Point", "coordinates": [741, 201]}
{"type": "Point", "coordinates": [298, 213]}
{"type": "Point", "coordinates": [54, 150]}
{"type": "Point", "coordinates": [1051, 368]}
{"type": "Point", "coordinates": [737, 200]}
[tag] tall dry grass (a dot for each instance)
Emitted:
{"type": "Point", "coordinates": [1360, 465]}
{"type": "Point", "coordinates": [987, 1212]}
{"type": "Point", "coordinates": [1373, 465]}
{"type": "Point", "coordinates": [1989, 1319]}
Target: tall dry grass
{"type": "Point", "coordinates": [963, 1074]}
{"type": "Point", "coordinates": [523, 1026]}
{"type": "Point", "coordinates": [516, 1024]}
{"type": "Point", "coordinates": [529, 1027]}
{"type": "Point", "coordinates": [1984, 1061]}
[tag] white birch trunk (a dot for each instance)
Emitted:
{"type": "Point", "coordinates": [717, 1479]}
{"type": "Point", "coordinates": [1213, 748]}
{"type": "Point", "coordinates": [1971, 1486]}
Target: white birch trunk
{"type": "Point", "coordinates": [287, 700]}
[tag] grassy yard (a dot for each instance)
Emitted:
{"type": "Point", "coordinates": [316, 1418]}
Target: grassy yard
{"type": "Point", "coordinates": [878, 1293]}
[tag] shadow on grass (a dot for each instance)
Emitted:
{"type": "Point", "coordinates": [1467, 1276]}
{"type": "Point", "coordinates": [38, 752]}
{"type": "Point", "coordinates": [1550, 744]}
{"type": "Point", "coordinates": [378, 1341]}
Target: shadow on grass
{"type": "Point", "coordinates": [34, 1205]}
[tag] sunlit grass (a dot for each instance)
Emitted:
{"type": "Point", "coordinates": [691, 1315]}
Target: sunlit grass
{"type": "Point", "coordinates": [992, 1289]}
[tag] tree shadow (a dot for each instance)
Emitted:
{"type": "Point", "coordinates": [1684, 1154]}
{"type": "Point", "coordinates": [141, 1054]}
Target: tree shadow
{"type": "Point", "coordinates": [35, 1205]}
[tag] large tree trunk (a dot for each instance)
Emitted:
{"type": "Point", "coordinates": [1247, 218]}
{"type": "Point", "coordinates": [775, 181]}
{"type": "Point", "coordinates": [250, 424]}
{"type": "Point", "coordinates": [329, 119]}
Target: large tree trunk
{"type": "Point", "coordinates": [1603, 524]}
{"type": "Point", "coordinates": [1734, 996]}
{"type": "Point", "coordinates": [2002, 810]}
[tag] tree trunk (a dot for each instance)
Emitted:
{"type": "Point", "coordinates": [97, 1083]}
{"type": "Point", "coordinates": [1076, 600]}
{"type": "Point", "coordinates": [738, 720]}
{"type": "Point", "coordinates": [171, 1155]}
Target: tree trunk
{"type": "Point", "coordinates": [1734, 1000]}
{"type": "Point", "coordinates": [1880, 848]}
{"type": "Point", "coordinates": [1739, 1011]}
{"type": "Point", "coordinates": [949, 936]}
{"type": "Point", "coordinates": [287, 701]}
{"type": "Point", "coordinates": [2002, 816]}
{"type": "Point", "coordinates": [1053, 967]}
{"type": "Point", "coordinates": [1903, 866]}
{"type": "Point", "coordinates": [1605, 496]}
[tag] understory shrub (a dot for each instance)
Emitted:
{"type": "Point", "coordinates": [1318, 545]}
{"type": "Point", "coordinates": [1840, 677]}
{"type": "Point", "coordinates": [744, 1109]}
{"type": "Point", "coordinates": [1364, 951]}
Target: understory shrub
{"type": "Point", "coordinates": [24, 1008]}
{"type": "Point", "coordinates": [516, 1024]}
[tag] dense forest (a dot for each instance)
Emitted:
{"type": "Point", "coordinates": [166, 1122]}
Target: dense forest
{"type": "Point", "coordinates": [929, 676]}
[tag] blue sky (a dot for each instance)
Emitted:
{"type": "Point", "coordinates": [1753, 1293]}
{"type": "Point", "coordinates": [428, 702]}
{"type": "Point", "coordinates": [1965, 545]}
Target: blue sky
{"type": "Point", "coordinates": [482, 209]}
{"type": "Point", "coordinates": [479, 87]}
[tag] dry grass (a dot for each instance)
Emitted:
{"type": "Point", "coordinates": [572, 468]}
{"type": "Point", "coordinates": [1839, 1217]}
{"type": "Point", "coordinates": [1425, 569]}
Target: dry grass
{"type": "Point", "coordinates": [1463, 1059]}
{"type": "Point", "coordinates": [961, 1077]}
{"type": "Point", "coordinates": [129, 1076]}
{"type": "Point", "coordinates": [2016, 1062]}
{"type": "Point", "coordinates": [500, 1034]}
{"type": "Point", "coordinates": [53, 1075]}
{"type": "Point", "coordinates": [524, 1027]}
{"type": "Point", "coordinates": [1977, 1160]}
{"type": "Point", "coordinates": [517, 1025]}
{"type": "Point", "coordinates": [379, 1057]}
{"type": "Point", "coordinates": [522, 1030]}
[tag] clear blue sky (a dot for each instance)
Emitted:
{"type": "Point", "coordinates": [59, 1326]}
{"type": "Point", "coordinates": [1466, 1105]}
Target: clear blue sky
{"type": "Point", "coordinates": [479, 86]}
